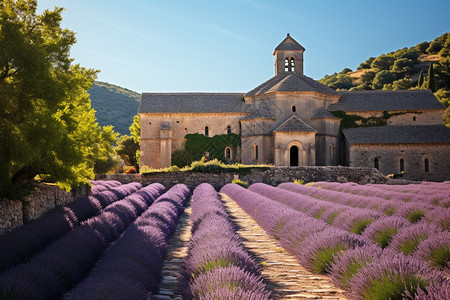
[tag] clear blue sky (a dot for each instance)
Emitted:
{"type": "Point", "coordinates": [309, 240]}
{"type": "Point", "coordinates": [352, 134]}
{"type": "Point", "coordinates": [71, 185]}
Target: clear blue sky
{"type": "Point", "coordinates": [227, 46]}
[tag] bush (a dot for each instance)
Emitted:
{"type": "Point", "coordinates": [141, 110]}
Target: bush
{"type": "Point", "coordinates": [130, 170]}
{"type": "Point", "coordinates": [240, 182]}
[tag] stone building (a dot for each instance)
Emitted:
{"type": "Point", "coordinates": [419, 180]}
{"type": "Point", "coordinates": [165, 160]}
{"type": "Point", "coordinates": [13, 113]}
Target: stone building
{"type": "Point", "coordinates": [291, 120]}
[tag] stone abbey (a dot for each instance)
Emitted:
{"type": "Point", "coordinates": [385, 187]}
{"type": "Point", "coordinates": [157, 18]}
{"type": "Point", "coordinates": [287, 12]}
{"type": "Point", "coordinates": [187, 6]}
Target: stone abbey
{"type": "Point", "coordinates": [292, 120]}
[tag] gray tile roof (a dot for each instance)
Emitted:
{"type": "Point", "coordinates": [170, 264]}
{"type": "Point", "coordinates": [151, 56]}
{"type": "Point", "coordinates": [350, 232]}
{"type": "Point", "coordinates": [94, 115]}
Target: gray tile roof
{"type": "Point", "coordinates": [386, 100]}
{"type": "Point", "coordinates": [290, 82]}
{"type": "Point", "coordinates": [260, 113]}
{"type": "Point", "coordinates": [322, 113]}
{"type": "Point", "coordinates": [417, 134]}
{"type": "Point", "coordinates": [294, 123]}
{"type": "Point", "coordinates": [289, 44]}
{"type": "Point", "coordinates": [192, 103]}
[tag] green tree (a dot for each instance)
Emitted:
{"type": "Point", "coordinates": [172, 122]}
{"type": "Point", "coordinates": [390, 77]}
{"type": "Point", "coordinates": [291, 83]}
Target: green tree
{"type": "Point", "coordinates": [402, 66]}
{"type": "Point", "coordinates": [443, 96]}
{"type": "Point", "coordinates": [47, 126]}
{"type": "Point", "coordinates": [430, 82]}
{"type": "Point", "coordinates": [402, 84]}
{"type": "Point", "coordinates": [366, 64]}
{"type": "Point", "coordinates": [135, 130]}
{"type": "Point", "coordinates": [422, 47]}
{"type": "Point", "coordinates": [368, 77]}
{"type": "Point", "coordinates": [421, 80]}
{"type": "Point", "coordinates": [340, 81]}
{"type": "Point", "coordinates": [383, 62]}
{"type": "Point", "coordinates": [382, 78]}
{"type": "Point", "coordinates": [126, 149]}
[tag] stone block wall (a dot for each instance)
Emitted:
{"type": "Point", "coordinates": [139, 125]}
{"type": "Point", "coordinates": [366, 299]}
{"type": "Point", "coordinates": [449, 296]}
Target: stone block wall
{"type": "Point", "coordinates": [273, 176]}
{"type": "Point", "coordinates": [14, 213]}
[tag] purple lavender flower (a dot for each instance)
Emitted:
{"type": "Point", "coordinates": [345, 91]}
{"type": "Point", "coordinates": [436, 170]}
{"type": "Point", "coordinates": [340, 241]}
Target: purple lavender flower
{"type": "Point", "coordinates": [392, 277]}
{"type": "Point", "coordinates": [227, 283]}
{"type": "Point", "coordinates": [440, 217]}
{"type": "Point", "coordinates": [435, 250]}
{"type": "Point", "coordinates": [318, 250]}
{"type": "Point", "coordinates": [348, 263]}
{"type": "Point", "coordinates": [408, 238]}
{"type": "Point", "coordinates": [434, 291]}
{"type": "Point", "coordinates": [383, 230]}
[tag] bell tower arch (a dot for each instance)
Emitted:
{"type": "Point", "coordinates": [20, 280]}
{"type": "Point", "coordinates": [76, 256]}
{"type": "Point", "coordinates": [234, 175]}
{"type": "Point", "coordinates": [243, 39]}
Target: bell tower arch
{"type": "Point", "coordinates": [289, 57]}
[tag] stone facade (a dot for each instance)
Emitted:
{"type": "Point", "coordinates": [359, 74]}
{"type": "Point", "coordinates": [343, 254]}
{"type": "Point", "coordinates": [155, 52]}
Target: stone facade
{"type": "Point", "coordinates": [288, 121]}
{"type": "Point", "coordinates": [409, 158]}
{"type": "Point", "coordinates": [11, 215]}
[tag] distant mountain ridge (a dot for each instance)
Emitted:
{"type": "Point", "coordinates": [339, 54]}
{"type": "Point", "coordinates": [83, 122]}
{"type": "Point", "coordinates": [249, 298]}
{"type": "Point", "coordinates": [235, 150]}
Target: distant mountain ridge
{"type": "Point", "coordinates": [114, 105]}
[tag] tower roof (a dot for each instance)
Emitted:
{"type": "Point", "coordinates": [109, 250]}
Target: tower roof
{"type": "Point", "coordinates": [289, 44]}
{"type": "Point", "coordinates": [294, 123]}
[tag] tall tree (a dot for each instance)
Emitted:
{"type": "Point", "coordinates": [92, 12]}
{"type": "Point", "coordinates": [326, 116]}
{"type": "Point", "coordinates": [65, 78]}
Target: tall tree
{"type": "Point", "coordinates": [431, 84]}
{"type": "Point", "coordinates": [47, 126]}
{"type": "Point", "coordinates": [135, 130]}
{"type": "Point", "coordinates": [420, 82]}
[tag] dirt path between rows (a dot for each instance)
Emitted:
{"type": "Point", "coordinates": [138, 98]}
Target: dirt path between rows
{"type": "Point", "coordinates": [281, 272]}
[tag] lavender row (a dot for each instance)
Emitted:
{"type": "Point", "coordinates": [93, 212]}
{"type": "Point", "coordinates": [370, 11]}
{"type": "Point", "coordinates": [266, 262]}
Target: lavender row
{"type": "Point", "coordinates": [131, 268]}
{"type": "Point", "coordinates": [423, 188]}
{"type": "Point", "coordinates": [367, 272]}
{"type": "Point", "coordinates": [65, 261]}
{"type": "Point", "coordinates": [440, 198]}
{"type": "Point", "coordinates": [413, 211]}
{"type": "Point", "coordinates": [103, 185]}
{"type": "Point", "coordinates": [26, 241]}
{"type": "Point", "coordinates": [396, 232]}
{"type": "Point", "coordinates": [217, 265]}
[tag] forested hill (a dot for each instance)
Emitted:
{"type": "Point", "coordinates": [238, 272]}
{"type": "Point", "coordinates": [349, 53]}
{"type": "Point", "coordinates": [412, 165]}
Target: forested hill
{"type": "Point", "coordinates": [114, 105]}
{"type": "Point", "coordinates": [404, 69]}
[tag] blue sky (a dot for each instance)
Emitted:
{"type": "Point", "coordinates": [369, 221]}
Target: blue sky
{"type": "Point", "coordinates": [227, 46]}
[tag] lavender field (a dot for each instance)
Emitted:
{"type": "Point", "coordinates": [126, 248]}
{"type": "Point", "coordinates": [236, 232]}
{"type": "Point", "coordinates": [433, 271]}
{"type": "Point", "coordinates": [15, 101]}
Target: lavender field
{"type": "Point", "coordinates": [373, 241]}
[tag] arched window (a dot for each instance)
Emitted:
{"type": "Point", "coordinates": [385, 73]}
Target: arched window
{"type": "Point", "coordinates": [414, 118]}
{"type": "Point", "coordinates": [402, 165]}
{"type": "Point", "coordinates": [254, 128]}
{"type": "Point", "coordinates": [331, 153]}
{"type": "Point", "coordinates": [292, 65]}
{"type": "Point", "coordinates": [286, 65]}
{"type": "Point", "coordinates": [294, 108]}
{"type": "Point", "coordinates": [228, 129]}
{"type": "Point", "coordinates": [228, 153]}
{"type": "Point", "coordinates": [255, 152]}
{"type": "Point", "coordinates": [206, 131]}
{"type": "Point", "coordinates": [376, 163]}
{"type": "Point", "coordinates": [426, 164]}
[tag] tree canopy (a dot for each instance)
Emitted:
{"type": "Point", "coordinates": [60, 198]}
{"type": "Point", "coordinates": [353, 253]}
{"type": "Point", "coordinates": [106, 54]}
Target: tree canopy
{"type": "Point", "coordinates": [47, 126]}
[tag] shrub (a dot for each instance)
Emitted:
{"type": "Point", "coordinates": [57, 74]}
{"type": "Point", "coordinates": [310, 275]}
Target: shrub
{"type": "Point", "coordinates": [240, 182]}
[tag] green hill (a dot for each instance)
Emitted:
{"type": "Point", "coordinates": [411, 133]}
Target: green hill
{"type": "Point", "coordinates": [404, 69]}
{"type": "Point", "coordinates": [114, 105]}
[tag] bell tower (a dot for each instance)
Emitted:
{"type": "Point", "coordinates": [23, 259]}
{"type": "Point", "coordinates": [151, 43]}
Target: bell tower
{"type": "Point", "coordinates": [289, 57]}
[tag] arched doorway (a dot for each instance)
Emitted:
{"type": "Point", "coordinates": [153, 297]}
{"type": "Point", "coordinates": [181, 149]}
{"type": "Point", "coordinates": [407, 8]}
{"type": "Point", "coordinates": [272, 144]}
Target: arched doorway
{"type": "Point", "coordinates": [293, 161]}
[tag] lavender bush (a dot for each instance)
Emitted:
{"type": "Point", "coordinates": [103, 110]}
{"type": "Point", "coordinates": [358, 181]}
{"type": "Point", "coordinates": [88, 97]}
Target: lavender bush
{"type": "Point", "coordinates": [408, 238]}
{"type": "Point", "coordinates": [435, 250]}
{"type": "Point", "coordinates": [217, 265]}
{"type": "Point", "coordinates": [393, 278]}
{"type": "Point", "coordinates": [70, 257]}
{"type": "Point", "coordinates": [137, 257]}
{"type": "Point", "coordinates": [383, 230]}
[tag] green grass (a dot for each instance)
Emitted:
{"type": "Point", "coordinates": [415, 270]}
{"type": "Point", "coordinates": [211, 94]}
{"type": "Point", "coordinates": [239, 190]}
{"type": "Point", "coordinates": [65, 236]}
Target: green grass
{"type": "Point", "coordinates": [212, 166]}
{"type": "Point", "coordinates": [393, 287]}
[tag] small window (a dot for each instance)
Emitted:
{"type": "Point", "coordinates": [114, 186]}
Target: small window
{"type": "Point", "coordinates": [206, 131]}
{"type": "Point", "coordinates": [256, 152]}
{"type": "Point", "coordinates": [254, 128]}
{"type": "Point", "coordinates": [402, 165]}
{"type": "Point", "coordinates": [286, 65]}
{"type": "Point", "coordinates": [292, 65]}
{"type": "Point", "coordinates": [331, 153]}
{"type": "Point", "coordinates": [294, 108]}
{"type": "Point", "coordinates": [376, 163]}
{"type": "Point", "coordinates": [228, 129]}
{"type": "Point", "coordinates": [228, 153]}
{"type": "Point", "coordinates": [178, 121]}
{"type": "Point", "coordinates": [426, 163]}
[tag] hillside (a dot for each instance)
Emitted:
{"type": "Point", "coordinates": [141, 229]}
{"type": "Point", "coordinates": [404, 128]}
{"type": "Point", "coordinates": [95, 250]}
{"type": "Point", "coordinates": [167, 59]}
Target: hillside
{"type": "Point", "coordinates": [423, 66]}
{"type": "Point", "coordinates": [114, 105]}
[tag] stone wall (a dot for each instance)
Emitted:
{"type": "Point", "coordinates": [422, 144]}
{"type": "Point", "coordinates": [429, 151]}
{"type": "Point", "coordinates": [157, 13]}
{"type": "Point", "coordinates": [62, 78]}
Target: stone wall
{"type": "Point", "coordinates": [273, 176]}
{"type": "Point", "coordinates": [14, 213]}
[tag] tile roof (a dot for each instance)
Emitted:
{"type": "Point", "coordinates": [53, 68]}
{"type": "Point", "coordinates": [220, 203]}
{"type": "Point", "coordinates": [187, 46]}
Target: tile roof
{"type": "Point", "coordinates": [290, 82]}
{"type": "Point", "coordinates": [417, 134]}
{"type": "Point", "coordinates": [322, 113]}
{"type": "Point", "coordinates": [294, 123]}
{"type": "Point", "coordinates": [386, 100]}
{"type": "Point", "coordinates": [192, 103]}
{"type": "Point", "coordinates": [289, 44]}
